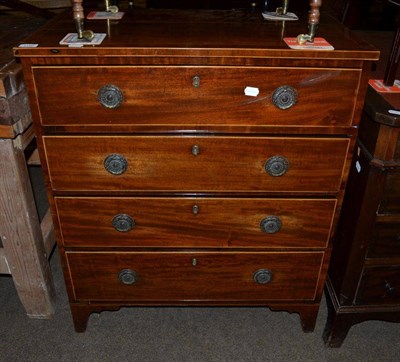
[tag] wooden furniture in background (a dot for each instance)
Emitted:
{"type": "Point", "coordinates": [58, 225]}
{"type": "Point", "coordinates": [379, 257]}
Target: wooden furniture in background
{"type": "Point", "coordinates": [171, 181]}
{"type": "Point", "coordinates": [364, 275]}
{"type": "Point", "coordinates": [26, 241]}
{"type": "Point", "coordinates": [394, 58]}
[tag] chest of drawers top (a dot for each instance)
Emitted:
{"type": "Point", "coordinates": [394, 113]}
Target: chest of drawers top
{"type": "Point", "coordinates": [187, 70]}
{"type": "Point", "coordinates": [208, 33]}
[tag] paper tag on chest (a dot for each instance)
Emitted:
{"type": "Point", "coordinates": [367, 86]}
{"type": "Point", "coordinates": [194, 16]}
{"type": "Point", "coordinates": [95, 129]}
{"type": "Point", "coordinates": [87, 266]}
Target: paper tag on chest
{"type": "Point", "coordinates": [72, 40]}
{"type": "Point", "coordinates": [318, 44]}
{"type": "Point", "coordinates": [101, 15]}
{"type": "Point", "coordinates": [379, 86]}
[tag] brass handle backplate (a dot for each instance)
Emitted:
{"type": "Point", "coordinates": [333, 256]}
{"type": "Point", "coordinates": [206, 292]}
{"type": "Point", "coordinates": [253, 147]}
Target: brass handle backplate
{"type": "Point", "coordinates": [123, 223]}
{"type": "Point", "coordinates": [127, 276]}
{"type": "Point", "coordinates": [262, 276]}
{"type": "Point", "coordinates": [115, 164]}
{"type": "Point", "coordinates": [110, 96]}
{"type": "Point", "coordinates": [270, 224]}
{"type": "Point", "coordinates": [276, 166]}
{"type": "Point", "coordinates": [284, 97]}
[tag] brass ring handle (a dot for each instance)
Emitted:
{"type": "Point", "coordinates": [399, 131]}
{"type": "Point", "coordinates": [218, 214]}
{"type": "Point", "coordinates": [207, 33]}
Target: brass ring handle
{"type": "Point", "coordinates": [284, 97]}
{"type": "Point", "coordinates": [262, 276]}
{"type": "Point", "coordinates": [276, 166]}
{"type": "Point", "coordinates": [115, 164]}
{"type": "Point", "coordinates": [110, 96]}
{"type": "Point", "coordinates": [127, 276]}
{"type": "Point", "coordinates": [270, 224]}
{"type": "Point", "coordinates": [123, 223]}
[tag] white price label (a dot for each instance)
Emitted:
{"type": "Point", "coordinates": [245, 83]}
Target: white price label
{"type": "Point", "coordinates": [358, 167]}
{"type": "Point", "coordinates": [251, 91]}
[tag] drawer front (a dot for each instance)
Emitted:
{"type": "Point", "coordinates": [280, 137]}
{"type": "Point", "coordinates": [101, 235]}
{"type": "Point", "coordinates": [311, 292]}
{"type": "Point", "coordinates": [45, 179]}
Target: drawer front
{"type": "Point", "coordinates": [390, 203]}
{"type": "Point", "coordinates": [195, 222]}
{"type": "Point", "coordinates": [187, 164]}
{"type": "Point", "coordinates": [193, 276]}
{"type": "Point", "coordinates": [385, 240]}
{"type": "Point", "coordinates": [194, 95]}
{"type": "Point", "coordinates": [379, 285]}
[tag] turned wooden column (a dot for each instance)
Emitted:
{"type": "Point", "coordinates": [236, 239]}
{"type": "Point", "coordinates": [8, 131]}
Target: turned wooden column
{"type": "Point", "coordinates": [313, 16]}
{"type": "Point", "coordinates": [313, 21]}
{"type": "Point", "coordinates": [79, 18]}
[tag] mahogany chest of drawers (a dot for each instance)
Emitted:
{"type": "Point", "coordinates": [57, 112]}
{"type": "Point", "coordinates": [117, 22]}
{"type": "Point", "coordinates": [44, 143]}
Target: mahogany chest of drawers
{"type": "Point", "coordinates": [364, 276]}
{"type": "Point", "coordinates": [169, 183]}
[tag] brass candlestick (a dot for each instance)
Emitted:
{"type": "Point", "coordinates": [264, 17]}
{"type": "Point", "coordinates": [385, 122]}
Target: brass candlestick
{"type": "Point", "coordinates": [111, 8]}
{"type": "Point", "coordinates": [79, 18]}
{"type": "Point", "coordinates": [313, 21]}
{"type": "Point", "coordinates": [283, 9]}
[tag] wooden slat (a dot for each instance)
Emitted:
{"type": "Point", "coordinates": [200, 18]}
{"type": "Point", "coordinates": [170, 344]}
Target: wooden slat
{"type": "Point", "coordinates": [21, 233]}
{"type": "Point", "coordinates": [4, 268]}
{"type": "Point", "coordinates": [48, 233]}
{"type": "Point", "coordinates": [11, 131]}
{"type": "Point", "coordinates": [11, 79]}
{"type": "Point", "coordinates": [6, 131]}
{"type": "Point", "coordinates": [34, 159]}
{"type": "Point", "coordinates": [25, 139]}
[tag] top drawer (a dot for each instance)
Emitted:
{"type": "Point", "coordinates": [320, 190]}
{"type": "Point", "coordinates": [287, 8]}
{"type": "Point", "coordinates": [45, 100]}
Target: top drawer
{"type": "Point", "coordinates": [195, 95]}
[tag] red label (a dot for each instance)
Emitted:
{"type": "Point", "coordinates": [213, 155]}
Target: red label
{"type": "Point", "coordinates": [378, 85]}
{"type": "Point", "coordinates": [318, 44]}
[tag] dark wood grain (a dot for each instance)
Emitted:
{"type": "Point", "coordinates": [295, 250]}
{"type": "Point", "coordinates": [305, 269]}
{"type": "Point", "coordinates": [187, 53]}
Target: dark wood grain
{"type": "Point", "coordinates": [375, 284]}
{"type": "Point", "coordinates": [172, 277]}
{"type": "Point", "coordinates": [194, 33]}
{"type": "Point", "coordinates": [166, 96]}
{"type": "Point", "coordinates": [385, 240]}
{"type": "Point", "coordinates": [228, 164]}
{"type": "Point", "coordinates": [220, 222]}
{"type": "Point", "coordinates": [390, 203]}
